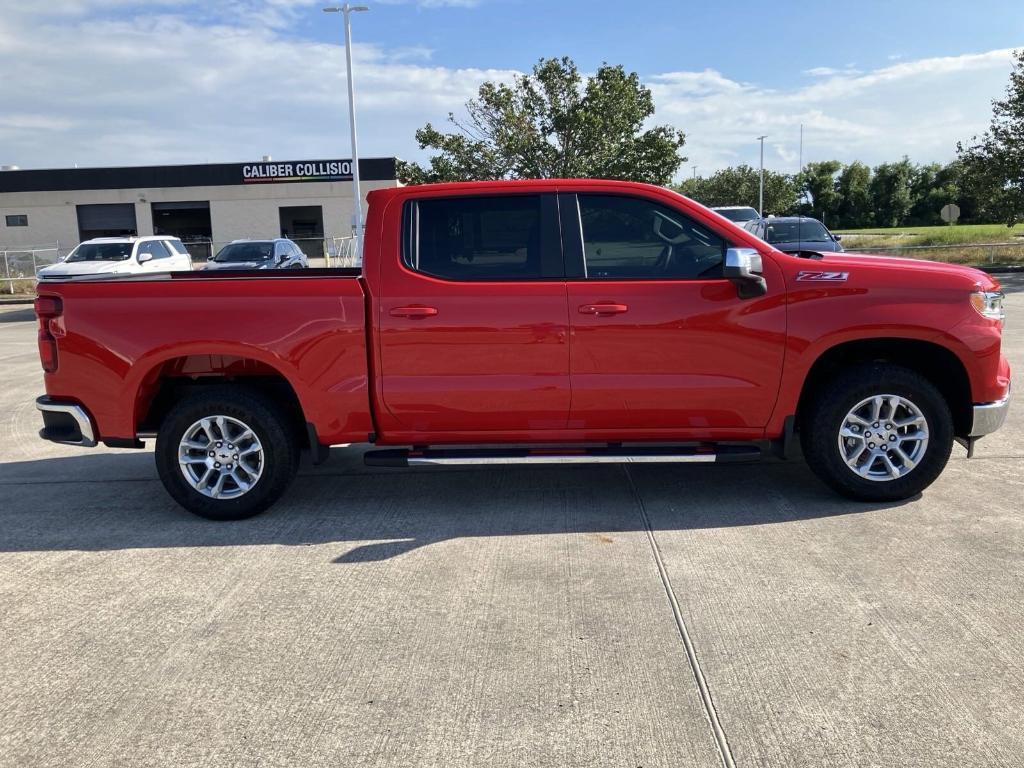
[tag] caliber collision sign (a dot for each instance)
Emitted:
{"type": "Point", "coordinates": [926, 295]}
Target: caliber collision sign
{"type": "Point", "coordinates": [311, 170]}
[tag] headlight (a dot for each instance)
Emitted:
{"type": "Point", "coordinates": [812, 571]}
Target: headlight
{"type": "Point", "coordinates": [989, 304]}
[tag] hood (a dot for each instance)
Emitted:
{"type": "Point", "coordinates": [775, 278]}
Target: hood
{"type": "Point", "coordinates": [806, 245]}
{"type": "Point", "coordinates": [69, 269]}
{"type": "Point", "coordinates": [219, 265]}
{"type": "Point", "coordinates": [913, 268]}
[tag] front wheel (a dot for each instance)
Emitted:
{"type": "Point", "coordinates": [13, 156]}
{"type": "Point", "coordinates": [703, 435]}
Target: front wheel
{"type": "Point", "coordinates": [227, 453]}
{"type": "Point", "coordinates": [877, 433]}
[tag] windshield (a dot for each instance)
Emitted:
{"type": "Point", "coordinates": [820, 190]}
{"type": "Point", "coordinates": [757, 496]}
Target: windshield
{"type": "Point", "coordinates": [101, 252]}
{"type": "Point", "coordinates": [806, 231]}
{"type": "Point", "coordinates": [236, 252]}
{"type": "Point", "coordinates": [738, 214]}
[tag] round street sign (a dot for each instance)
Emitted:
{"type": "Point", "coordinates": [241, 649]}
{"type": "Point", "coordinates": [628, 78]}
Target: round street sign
{"type": "Point", "coordinates": [950, 212]}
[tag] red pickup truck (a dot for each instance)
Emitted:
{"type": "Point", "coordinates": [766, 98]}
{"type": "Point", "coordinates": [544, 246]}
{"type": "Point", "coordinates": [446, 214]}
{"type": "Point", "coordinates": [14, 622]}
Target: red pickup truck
{"type": "Point", "coordinates": [554, 321]}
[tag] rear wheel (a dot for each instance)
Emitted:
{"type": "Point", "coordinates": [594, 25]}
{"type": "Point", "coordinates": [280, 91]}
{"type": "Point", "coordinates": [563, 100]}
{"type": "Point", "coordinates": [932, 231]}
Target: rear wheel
{"type": "Point", "coordinates": [227, 453]}
{"type": "Point", "coordinates": [877, 432]}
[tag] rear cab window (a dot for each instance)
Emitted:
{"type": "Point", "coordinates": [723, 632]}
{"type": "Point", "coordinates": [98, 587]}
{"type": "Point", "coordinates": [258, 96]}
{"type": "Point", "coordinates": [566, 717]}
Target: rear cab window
{"type": "Point", "coordinates": [483, 238]}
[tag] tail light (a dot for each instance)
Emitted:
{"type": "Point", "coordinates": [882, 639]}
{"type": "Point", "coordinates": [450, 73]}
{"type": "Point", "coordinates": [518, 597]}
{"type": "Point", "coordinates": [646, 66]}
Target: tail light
{"type": "Point", "coordinates": [49, 310]}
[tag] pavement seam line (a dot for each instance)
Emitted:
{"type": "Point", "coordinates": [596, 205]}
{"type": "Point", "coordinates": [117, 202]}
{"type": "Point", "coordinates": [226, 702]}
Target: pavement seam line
{"type": "Point", "coordinates": [724, 752]}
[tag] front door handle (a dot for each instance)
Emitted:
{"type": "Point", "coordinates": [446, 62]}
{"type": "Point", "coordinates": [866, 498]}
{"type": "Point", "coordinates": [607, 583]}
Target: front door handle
{"type": "Point", "coordinates": [603, 309]}
{"type": "Point", "coordinates": [413, 313]}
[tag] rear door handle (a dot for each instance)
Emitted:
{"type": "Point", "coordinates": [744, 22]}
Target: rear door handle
{"type": "Point", "coordinates": [603, 309]}
{"type": "Point", "coordinates": [413, 313]}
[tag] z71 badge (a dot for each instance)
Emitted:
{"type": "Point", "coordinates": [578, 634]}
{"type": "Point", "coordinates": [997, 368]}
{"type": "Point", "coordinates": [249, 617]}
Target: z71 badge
{"type": "Point", "coordinates": [824, 277]}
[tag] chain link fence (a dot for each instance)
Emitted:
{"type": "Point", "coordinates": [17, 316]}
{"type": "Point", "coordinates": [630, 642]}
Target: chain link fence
{"type": "Point", "coordinates": [330, 252]}
{"type": "Point", "coordinates": [21, 264]}
{"type": "Point", "coordinates": [970, 254]}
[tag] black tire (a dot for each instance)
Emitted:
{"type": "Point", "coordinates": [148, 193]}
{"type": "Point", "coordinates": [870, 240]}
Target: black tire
{"type": "Point", "coordinates": [824, 416]}
{"type": "Point", "coordinates": [272, 427]}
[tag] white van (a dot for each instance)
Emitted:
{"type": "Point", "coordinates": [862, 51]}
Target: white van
{"type": "Point", "coordinates": [122, 256]}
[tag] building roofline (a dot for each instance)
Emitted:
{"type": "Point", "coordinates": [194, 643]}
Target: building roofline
{"type": "Point", "coordinates": [195, 175]}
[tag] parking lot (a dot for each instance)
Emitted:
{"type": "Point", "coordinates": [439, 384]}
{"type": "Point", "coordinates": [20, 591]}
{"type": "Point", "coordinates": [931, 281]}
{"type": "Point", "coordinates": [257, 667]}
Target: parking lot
{"type": "Point", "coordinates": [655, 615]}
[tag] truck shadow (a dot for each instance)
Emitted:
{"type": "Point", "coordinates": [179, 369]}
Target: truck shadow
{"type": "Point", "coordinates": [114, 501]}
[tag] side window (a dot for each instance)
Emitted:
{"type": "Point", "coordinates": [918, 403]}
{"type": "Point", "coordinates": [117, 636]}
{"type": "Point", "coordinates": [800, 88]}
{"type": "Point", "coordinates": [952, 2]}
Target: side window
{"type": "Point", "coordinates": [155, 248]}
{"type": "Point", "coordinates": [629, 237]}
{"type": "Point", "coordinates": [478, 238]}
{"type": "Point", "coordinates": [178, 247]}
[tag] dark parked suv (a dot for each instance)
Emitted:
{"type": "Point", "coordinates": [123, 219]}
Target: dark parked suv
{"type": "Point", "coordinates": [280, 253]}
{"type": "Point", "coordinates": [795, 233]}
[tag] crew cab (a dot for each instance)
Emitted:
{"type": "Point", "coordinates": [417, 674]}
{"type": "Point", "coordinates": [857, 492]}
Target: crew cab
{"type": "Point", "coordinates": [548, 321]}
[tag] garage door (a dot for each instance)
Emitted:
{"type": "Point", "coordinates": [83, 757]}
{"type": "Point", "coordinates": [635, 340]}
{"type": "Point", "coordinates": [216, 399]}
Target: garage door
{"type": "Point", "coordinates": [106, 219]}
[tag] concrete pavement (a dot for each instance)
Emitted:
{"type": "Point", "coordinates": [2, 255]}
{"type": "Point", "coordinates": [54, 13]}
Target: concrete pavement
{"type": "Point", "coordinates": [518, 616]}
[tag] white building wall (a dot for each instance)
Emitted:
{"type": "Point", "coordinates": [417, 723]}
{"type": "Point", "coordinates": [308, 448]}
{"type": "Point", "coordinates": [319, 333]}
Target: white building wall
{"type": "Point", "coordinates": [236, 211]}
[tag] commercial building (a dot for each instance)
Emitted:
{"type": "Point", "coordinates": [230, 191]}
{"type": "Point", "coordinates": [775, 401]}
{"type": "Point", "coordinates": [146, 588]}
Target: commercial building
{"type": "Point", "coordinates": [205, 205]}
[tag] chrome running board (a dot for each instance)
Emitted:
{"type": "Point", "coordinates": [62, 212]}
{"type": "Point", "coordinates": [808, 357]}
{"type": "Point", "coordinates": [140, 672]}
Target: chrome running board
{"type": "Point", "coordinates": [405, 457]}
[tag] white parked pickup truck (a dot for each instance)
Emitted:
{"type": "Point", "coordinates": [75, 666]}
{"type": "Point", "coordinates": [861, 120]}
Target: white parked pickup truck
{"type": "Point", "coordinates": [123, 256]}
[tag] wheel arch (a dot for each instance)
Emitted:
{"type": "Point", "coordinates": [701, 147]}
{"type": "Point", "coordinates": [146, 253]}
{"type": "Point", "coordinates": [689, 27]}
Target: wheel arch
{"type": "Point", "coordinates": [170, 379]}
{"type": "Point", "coordinates": [937, 363]}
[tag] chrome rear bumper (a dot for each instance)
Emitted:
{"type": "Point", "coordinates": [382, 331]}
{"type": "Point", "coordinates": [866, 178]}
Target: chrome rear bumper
{"type": "Point", "coordinates": [66, 423]}
{"type": "Point", "coordinates": [988, 417]}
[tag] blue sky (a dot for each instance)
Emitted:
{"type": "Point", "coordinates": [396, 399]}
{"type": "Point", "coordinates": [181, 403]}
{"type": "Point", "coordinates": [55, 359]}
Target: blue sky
{"type": "Point", "coordinates": [99, 82]}
{"type": "Point", "coordinates": [665, 35]}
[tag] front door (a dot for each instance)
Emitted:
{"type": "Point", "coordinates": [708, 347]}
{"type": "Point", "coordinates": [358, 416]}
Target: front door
{"type": "Point", "coordinates": [473, 326]}
{"type": "Point", "coordinates": [660, 340]}
{"type": "Point", "coordinates": [155, 256]}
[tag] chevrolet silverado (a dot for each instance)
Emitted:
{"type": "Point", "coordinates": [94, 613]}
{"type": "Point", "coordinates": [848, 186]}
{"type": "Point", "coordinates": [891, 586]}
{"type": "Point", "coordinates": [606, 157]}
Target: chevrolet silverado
{"type": "Point", "coordinates": [549, 321]}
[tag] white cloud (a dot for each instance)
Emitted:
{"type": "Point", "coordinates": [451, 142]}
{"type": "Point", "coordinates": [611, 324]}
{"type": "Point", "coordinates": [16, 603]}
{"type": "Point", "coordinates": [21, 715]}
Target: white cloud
{"type": "Point", "coordinates": [849, 69]}
{"type": "Point", "coordinates": [160, 89]}
{"type": "Point", "coordinates": [434, 3]}
{"type": "Point", "coordinates": [919, 108]}
{"type": "Point", "coordinates": [152, 86]}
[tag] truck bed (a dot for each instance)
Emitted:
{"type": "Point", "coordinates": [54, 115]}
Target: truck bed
{"type": "Point", "coordinates": [124, 337]}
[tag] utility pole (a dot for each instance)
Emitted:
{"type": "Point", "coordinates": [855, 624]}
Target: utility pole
{"type": "Point", "coordinates": [760, 194]}
{"type": "Point", "coordinates": [357, 217]}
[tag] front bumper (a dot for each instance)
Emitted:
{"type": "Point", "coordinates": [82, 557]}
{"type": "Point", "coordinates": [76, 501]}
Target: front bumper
{"type": "Point", "coordinates": [66, 423]}
{"type": "Point", "coordinates": [988, 417]}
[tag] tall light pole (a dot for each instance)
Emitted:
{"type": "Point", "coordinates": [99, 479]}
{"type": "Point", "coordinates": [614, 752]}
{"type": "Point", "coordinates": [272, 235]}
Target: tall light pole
{"type": "Point", "coordinates": [760, 194]}
{"type": "Point", "coordinates": [357, 216]}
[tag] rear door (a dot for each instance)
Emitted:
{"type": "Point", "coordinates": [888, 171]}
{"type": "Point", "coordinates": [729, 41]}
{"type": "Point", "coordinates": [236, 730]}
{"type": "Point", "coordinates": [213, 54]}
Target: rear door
{"type": "Point", "coordinates": [181, 259]}
{"type": "Point", "coordinates": [660, 340]}
{"type": "Point", "coordinates": [473, 323]}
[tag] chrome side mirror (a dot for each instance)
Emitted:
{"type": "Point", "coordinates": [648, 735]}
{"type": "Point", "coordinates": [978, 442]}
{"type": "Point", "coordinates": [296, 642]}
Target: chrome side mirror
{"type": "Point", "coordinates": [743, 269]}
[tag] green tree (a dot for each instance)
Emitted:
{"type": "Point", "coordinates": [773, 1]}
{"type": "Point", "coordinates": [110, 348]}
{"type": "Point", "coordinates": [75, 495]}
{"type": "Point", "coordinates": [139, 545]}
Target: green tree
{"type": "Point", "coordinates": [966, 195]}
{"type": "Point", "coordinates": [854, 206]}
{"type": "Point", "coordinates": [739, 186]}
{"type": "Point", "coordinates": [818, 182]}
{"type": "Point", "coordinates": [890, 193]}
{"type": "Point", "coordinates": [931, 187]}
{"type": "Point", "coordinates": [552, 124]}
{"type": "Point", "coordinates": [993, 165]}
